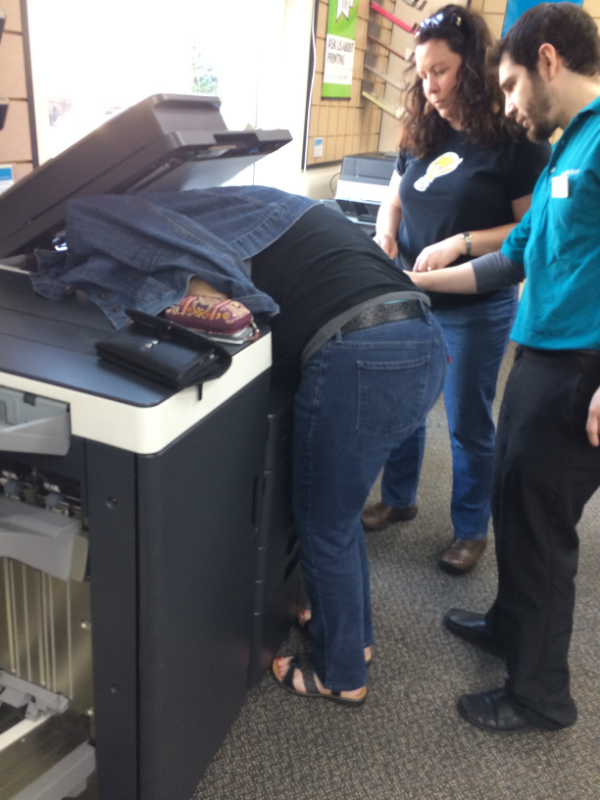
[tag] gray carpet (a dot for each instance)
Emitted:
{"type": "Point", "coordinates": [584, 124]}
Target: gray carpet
{"type": "Point", "coordinates": [407, 741]}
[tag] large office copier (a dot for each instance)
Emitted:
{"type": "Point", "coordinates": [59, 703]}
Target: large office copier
{"type": "Point", "coordinates": [148, 562]}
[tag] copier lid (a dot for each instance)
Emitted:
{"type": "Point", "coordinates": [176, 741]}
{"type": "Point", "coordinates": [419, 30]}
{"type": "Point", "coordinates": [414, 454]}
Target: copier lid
{"type": "Point", "coordinates": [167, 141]}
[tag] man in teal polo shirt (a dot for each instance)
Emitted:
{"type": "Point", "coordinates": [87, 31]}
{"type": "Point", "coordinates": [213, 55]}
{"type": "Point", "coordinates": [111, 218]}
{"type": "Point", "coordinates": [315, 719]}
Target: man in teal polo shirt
{"type": "Point", "coordinates": [547, 462]}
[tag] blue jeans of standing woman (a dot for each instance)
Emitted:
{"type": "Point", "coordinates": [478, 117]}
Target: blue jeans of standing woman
{"type": "Point", "coordinates": [477, 338]}
{"type": "Point", "coordinates": [361, 395]}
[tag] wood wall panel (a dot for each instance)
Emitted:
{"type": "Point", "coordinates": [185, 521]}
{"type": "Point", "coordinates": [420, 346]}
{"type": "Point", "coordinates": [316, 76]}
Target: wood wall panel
{"type": "Point", "coordinates": [12, 8]}
{"type": "Point", "coordinates": [15, 137]}
{"type": "Point", "coordinates": [346, 126]}
{"type": "Point", "coordinates": [12, 66]}
{"type": "Point", "coordinates": [15, 141]}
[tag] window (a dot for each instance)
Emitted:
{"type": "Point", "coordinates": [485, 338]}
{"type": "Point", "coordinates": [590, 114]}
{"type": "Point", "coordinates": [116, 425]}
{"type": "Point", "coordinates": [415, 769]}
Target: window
{"type": "Point", "coordinates": [92, 59]}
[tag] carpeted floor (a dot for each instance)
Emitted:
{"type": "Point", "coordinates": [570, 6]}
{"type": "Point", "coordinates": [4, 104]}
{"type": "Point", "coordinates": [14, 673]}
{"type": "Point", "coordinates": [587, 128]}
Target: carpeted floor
{"type": "Point", "coordinates": [407, 742]}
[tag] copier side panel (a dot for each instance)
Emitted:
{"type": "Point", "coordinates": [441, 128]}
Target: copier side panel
{"type": "Point", "coordinates": [198, 512]}
{"type": "Point", "coordinates": [111, 478]}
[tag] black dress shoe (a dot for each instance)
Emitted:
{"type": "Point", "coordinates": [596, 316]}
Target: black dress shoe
{"type": "Point", "coordinates": [471, 627]}
{"type": "Point", "coordinates": [492, 711]}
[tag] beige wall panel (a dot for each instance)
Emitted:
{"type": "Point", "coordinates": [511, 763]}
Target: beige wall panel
{"type": "Point", "coordinates": [362, 27]}
{"type": "Point", "coordinates": [333, 121]}
{"type": "Point", "coordinates": [314, 121]}
{"type": "Point", "coordinates": [320, 56]}
{"type": "Point", "coordinates": [322, 20]}
{"type": "Point", "coordinates": [348, 126]}
{"type": "Point", "coordinates": [329, 148]}
{"type": "Point", "coordinates": [495, 7]}
{"type": "Point", "coordinates": [342, 124]}
{"type": "Point", "coordinates": [477, 5]}
{"type": "Point", "coordinates": [363, 9]}
{"type": "Point", "coordinates": [15, 143]}
{"type": "Point", "coordinates": [592, 7]}
{"type": "Point", "coordinates": [12, 8]}
{"type": "Point", "coordinates": [495, 23]}
{"type": "Point", "coordinates": [376, 123]}
{"type": "Point", "coordinates": [20, 170]}
{"type": "Point", "coordinates": [323, 121]}
{"type": "Point", "coordinates": [317, 88]}
{"type": "Point", "coordinates": [365, 121]}
{"type": "Point", "coordinates": [12, 67]}
{"type": "Point", "coordinates": [359, 59]}
{"type": "Point", "coordinates": [338, 151]}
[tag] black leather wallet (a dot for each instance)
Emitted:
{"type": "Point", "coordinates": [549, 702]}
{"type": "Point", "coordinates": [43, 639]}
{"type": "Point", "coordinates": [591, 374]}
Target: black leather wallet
{"type": "Point", "coordinates": [164, 351]}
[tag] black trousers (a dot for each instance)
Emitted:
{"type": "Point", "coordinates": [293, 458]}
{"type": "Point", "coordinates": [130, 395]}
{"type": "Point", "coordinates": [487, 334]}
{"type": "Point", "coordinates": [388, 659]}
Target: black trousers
{"type": "Point", "coordinates": [545, 471]}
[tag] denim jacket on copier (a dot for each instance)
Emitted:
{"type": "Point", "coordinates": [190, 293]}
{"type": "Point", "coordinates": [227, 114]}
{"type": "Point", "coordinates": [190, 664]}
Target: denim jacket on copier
{"type": "Point", "coordinates": [140, 250]}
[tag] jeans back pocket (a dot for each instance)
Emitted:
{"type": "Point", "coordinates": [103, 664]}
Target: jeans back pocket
{"type": "Point", "coordinates": [391, 395]}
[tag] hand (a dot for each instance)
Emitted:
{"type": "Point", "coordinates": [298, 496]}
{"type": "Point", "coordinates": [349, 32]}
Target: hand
{"type": "Point", "coordinates": [593, 420]}
{"type": "Point", "coordinates": [439, 255]}
{"type": "Point", "coordinates": [388, 244]}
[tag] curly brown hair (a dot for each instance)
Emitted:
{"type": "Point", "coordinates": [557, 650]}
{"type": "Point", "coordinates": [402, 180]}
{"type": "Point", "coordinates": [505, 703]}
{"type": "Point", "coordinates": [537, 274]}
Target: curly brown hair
{"type": "Point", "coordinates": [479, 99]}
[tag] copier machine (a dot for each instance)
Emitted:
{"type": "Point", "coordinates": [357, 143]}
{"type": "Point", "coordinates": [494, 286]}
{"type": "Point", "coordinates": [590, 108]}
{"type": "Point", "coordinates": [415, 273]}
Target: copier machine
{"type": "Point", "coordinates": [148, 562]}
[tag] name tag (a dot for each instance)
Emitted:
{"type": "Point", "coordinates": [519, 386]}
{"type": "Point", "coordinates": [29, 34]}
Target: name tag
{"type": "Point", "coordinates": [560, 186]}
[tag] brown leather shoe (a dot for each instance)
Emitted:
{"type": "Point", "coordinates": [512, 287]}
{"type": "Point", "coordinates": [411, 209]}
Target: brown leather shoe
{"type": "Point", "coordinates": [379, 516]}
{"type": "Point", "coordinates": [462, 555]}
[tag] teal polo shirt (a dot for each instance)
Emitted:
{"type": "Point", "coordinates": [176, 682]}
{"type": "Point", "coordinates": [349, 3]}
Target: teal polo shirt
{"type": "Point", "coordinates": [558, 244]}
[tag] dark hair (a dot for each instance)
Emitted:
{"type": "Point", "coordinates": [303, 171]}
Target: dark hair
{"type": "Point", "coordinates": [479, 99]}
{"type": "Point", "coordinates": [568, 28]}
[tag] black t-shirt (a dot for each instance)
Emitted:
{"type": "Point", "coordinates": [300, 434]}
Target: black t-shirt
{"type": "Point", "coordinates": [323, 266]}
{"type": "Point", "coordinates": [463, 188]}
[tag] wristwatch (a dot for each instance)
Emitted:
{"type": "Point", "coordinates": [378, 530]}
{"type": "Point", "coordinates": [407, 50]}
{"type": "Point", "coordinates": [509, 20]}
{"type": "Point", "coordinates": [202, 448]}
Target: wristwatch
{"type": "Point", "coordinates": [467, 237]}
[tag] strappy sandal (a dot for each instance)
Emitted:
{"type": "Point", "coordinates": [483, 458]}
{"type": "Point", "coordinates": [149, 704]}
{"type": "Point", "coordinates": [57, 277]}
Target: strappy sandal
{"type": "Point", "coordinates": [304, 626]}
{"type": "Point", "coordinates": [304, 664]}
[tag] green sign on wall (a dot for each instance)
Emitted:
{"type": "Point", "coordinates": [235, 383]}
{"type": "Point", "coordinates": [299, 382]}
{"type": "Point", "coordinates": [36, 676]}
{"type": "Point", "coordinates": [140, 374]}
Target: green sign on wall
{"type": "Point", "coordinates": [339, 48]}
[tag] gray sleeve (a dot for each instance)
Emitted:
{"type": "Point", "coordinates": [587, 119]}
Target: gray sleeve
{"type": "Point", "coordinates": [496, 271]}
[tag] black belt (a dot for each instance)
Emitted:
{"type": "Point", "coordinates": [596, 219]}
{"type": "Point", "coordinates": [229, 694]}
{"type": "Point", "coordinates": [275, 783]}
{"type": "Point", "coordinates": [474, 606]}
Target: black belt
{"type": "Point", "coordinates": [384, 312]}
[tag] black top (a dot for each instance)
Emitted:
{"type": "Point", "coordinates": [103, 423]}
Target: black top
{"type": "Point", "coordinates": [463, 188]}
{"type": "Point", "coordinates": [323, 266]}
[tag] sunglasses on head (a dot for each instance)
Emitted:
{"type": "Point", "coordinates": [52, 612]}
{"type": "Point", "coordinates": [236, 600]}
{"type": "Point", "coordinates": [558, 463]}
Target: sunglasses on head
{"type": "Point", "coordinates": [441, 20]}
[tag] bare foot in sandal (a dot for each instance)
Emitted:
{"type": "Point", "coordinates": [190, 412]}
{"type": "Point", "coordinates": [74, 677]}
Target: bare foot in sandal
{"type": "Point", "coordinates": [296, 675]}
{"type": "Point", "coordinates": [304, 618]}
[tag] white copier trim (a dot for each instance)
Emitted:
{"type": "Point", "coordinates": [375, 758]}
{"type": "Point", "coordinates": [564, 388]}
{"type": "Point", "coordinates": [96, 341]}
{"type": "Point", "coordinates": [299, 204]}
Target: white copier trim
{"type": "Point", "coordinates": [149, 430]}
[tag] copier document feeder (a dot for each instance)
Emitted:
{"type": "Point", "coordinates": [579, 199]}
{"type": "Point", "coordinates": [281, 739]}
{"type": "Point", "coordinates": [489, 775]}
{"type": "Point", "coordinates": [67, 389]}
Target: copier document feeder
{"type": "Point", "coordinates": [148, 563]}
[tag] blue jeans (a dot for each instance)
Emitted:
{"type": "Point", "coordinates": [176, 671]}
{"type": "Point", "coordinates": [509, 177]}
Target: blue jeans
{"type": "Point", "coordinates": [477, 337]}
{"type": "Point", "coordinates": [140, 250]}
{"type": "Point", "coordinates": [361, 395]}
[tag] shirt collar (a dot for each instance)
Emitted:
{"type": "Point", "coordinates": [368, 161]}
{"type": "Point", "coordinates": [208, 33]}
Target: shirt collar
{"type": "Point", "coordinates": [572, 127]}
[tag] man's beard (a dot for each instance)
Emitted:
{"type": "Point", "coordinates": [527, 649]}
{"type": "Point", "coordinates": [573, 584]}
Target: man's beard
{"type": "Point", "coordinates": [541, 125]}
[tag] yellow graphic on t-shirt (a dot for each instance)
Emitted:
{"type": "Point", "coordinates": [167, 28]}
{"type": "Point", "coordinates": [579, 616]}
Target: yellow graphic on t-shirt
{"type": "Point", "coordinates": [442, 165]}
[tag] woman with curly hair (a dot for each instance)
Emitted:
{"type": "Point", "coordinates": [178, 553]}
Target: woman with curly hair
{"type": "Point", "coordinates": [463, 179]}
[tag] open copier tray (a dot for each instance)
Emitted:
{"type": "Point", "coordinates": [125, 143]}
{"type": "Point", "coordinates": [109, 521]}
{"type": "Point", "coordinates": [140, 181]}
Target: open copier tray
{"type": "Point", "coordinates": [129, 512]}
